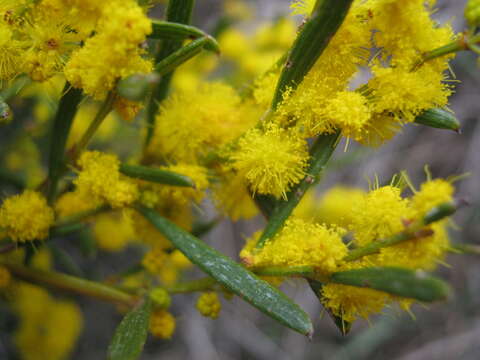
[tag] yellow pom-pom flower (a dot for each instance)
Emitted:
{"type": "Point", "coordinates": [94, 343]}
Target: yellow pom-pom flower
{"type": "Point", "coordinates": [112, 231]}
{"type": "Point", "coordinates": [271, 161]}
{"type": "Point", "coordinates": [162, 324]}
{"type": "Point", "coordinates": [209, 305]}
{"type": "Point", "coordinates": [192, 123]}
{"type": "Point", "coordinates": [113, 52]}
{"type": "Point", "coordinates": [299, 244]}
{"type": "Point", "coordinates": [432, 193]}
{"type": "Point", "coordinates": [26, 217]}
{"type": "Point", "coordinates": [472, 12]}
{"type": "Point", "coordinates": [378, 215]}
{"type": "Point", "coordinates": [100, 178]}
{"type": "Point", "coordinates": [350, 302]}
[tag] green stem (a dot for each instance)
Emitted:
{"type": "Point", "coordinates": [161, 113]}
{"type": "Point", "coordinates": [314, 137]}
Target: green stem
{"type": "Point", "coordinates": [174, 31]}
{"type": "Point", "coordinates": [102, 113]}
{"type": "Point", "coordinates": [69, 283]}
{"type": "Point", "coordinates": [320, 153]}
{"type": "Point", "coordinates": [178, 11]}
{"type": "Point", "coordinates": [184, 54]}
{"type": "Point", "coordinates": [462, 44]}
{"type": "Point", "coordinates": [294, 271]}
{"type": "Point", "coordinates": [156, 175]}
{"type": "Point", "coordinates": [415, 230]}
{"type": "Point", "coordinates": [202, 284]}
{"type": "Point", "coordinates": [310, 43]}
{"type": "Point", "coordinates": [469, 249]}
{"type": "Point", "coordinates": [67, 108]}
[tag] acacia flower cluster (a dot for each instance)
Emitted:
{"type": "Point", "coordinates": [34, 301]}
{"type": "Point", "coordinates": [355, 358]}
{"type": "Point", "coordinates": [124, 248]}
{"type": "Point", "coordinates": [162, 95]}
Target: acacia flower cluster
{"type": "Point", "coordinates": [244, 134]}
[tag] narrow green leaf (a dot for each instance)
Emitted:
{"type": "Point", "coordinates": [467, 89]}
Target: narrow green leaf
{"type": "Point", "coordinates": [185, 53]}
{"type": "Point", "coordinates": [156, 175]}
{"type": "Point", "coordinates": [233, 276]}
{"type": "Point", "coordinates": [310, 43]}
{"type": "Point", "coordinates": [131, 335]}
{"type": "Point", "coordinates": [320, 153]}
{"type": "Point", "coordinates": [174, 31]}
{"type": "Point", "coordinates": [67, 108]}
{"type": "Point", "coordinates": [202, 228]}
{"type": "Point", "coordinates": [397, 281]}
{"type": "Point", "coordinates": [340, 323]}
{"type": "Point", "coordinates": [439, 119]}
{"type": "Point", "coordinates": [178, 11]}
{"type": "Point", "coordinates": [440, 212]}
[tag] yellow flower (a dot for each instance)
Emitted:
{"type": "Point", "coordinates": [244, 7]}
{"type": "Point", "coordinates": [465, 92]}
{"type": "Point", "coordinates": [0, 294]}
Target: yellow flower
{"type": "Point", "coordinates": [333, 208]}
{"type": "Point", "coordinates": [162, 324]}
{"type": "Point", "coordinates": [378, 215]}
{"type": "Point", "coordinates": [26, 217]}
{"type": "Point", "coordinates": [154, 260]}
{"type": "Point", "coordinates": [209, 305]}
{"type": "Point", "coordinates": [190, 124]}
{"type": "Point", "coordinates": [41, 317]}
{"type": "Point", "coordinates": [112, 231]}
{"type": "Point", "coordinates": [113, 52]}
{"type": "Point", "coordinates": [101, 179]}
{"type": "Point", "coordinates": [432, 193]}
{"type": "Point", "coordinates": [299, 244]}
{"type": "Point", "coordinates": [74, 202]}
{"type": "Point", "coordinates": [271, 161]}
{"type": "Point", "coordinates": [350, 302]}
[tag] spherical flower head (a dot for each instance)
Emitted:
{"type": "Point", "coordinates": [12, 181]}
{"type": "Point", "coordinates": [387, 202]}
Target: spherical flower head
{"type": "Point", "coordinates": [26, 217]}
{"type": "Point", "coordinates": [162, 324]}
{"type": "Point", "coordinates": [179, 260]}
{"type": "Point", "coordinates": [351, 302]}
{"type": "Point", "coordinates": [192, 123]}
{"type": "Point", "coordinates": [112, 231]}
{"type": "Point", "coordinates": [160, 298]}
{"type": "Point", "coordinates": [472, 12]}
{"type": "Point", "coordinates": [378, 215]}
{"type": "Point", "coordinates": [100, 178]}
{"type": "Point", "coordinates": [406, 93]}
{"type": "Point", "coordinates": [335, 207]}
{"type": "Point", "coordinates": [209, 305]}
{"type": "Point", "coordinates": [432, 193]}
{"type": "Point", "coordinates": [154, 260]}
{"type": "Point", "coordinates": [349, 112]}
{"type": "Point", "coordinates": [425, 252]}
{"type": "Point", "coordinates": [113, 52]}
{"type": "Point", "coordinates": [271, 161]}
{"type": "Point", "coordinates": [299, 244]}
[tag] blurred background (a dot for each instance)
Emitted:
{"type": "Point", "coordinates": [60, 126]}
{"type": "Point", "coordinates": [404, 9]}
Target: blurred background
{"type": "Point", "coordinates": [448, 330]}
